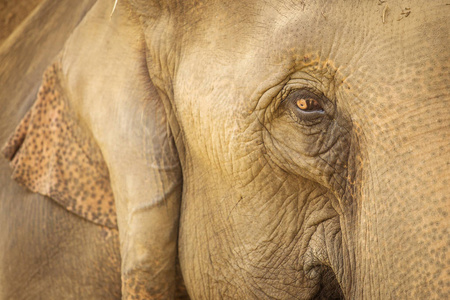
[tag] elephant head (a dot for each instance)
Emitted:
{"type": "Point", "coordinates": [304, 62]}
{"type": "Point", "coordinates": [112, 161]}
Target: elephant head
{"type": "Point", "coordinates": [281, 149]}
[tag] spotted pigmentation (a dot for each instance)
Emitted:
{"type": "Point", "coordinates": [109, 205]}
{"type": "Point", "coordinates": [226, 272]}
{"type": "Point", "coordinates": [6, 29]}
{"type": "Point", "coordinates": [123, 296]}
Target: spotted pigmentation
{"type": "Point", "coordinates": [52, 155]}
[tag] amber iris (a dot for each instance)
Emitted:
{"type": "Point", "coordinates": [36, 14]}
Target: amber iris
{"type": "Point", "coordinates": [308, 105]}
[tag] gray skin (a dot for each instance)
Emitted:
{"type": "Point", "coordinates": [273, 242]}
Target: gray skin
{"type": "Point", "coordinates": [275, 203]}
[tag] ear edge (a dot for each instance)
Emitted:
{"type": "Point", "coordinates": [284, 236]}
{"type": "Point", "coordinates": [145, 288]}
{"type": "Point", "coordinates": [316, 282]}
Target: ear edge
{"type": "Point", "coordinates": [52, 156]}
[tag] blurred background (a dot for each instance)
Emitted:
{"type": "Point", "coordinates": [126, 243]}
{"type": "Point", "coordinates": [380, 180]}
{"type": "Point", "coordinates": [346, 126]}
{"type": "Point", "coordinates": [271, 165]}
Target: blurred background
{"type": "Point", "coordinates": [12, 13]}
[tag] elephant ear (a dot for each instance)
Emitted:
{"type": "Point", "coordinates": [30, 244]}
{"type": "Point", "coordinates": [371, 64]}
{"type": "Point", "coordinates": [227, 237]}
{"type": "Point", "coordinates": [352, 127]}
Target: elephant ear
{"type": "Point", "coordinates": [50, 154]}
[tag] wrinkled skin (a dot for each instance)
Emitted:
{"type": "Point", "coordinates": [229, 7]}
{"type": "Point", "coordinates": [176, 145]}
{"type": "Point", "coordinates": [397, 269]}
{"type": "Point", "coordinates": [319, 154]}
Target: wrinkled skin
{"type": "Point", "coordinates": [275, 203]}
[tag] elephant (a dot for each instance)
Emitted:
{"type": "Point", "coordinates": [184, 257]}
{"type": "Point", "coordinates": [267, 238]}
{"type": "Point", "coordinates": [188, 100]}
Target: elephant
{"type": "Point", "coordinates": [226, 150]}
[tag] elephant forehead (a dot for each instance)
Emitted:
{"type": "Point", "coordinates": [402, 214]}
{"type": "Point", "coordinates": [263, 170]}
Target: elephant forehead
{"type": "Point", "coordinates": [378, 52]}
{"type": "Point", "coordinates": [250, 43]}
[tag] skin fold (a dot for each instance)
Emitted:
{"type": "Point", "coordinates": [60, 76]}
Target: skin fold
{"type": "Point", "coordinates": [198, 110]}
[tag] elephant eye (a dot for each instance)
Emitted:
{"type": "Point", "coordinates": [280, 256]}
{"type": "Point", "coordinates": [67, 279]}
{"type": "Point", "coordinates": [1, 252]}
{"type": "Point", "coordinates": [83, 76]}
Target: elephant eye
{"type": "Point", "coordinates": [308, 104]}
{"type": "Point", "coordinates": [305, 106]}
